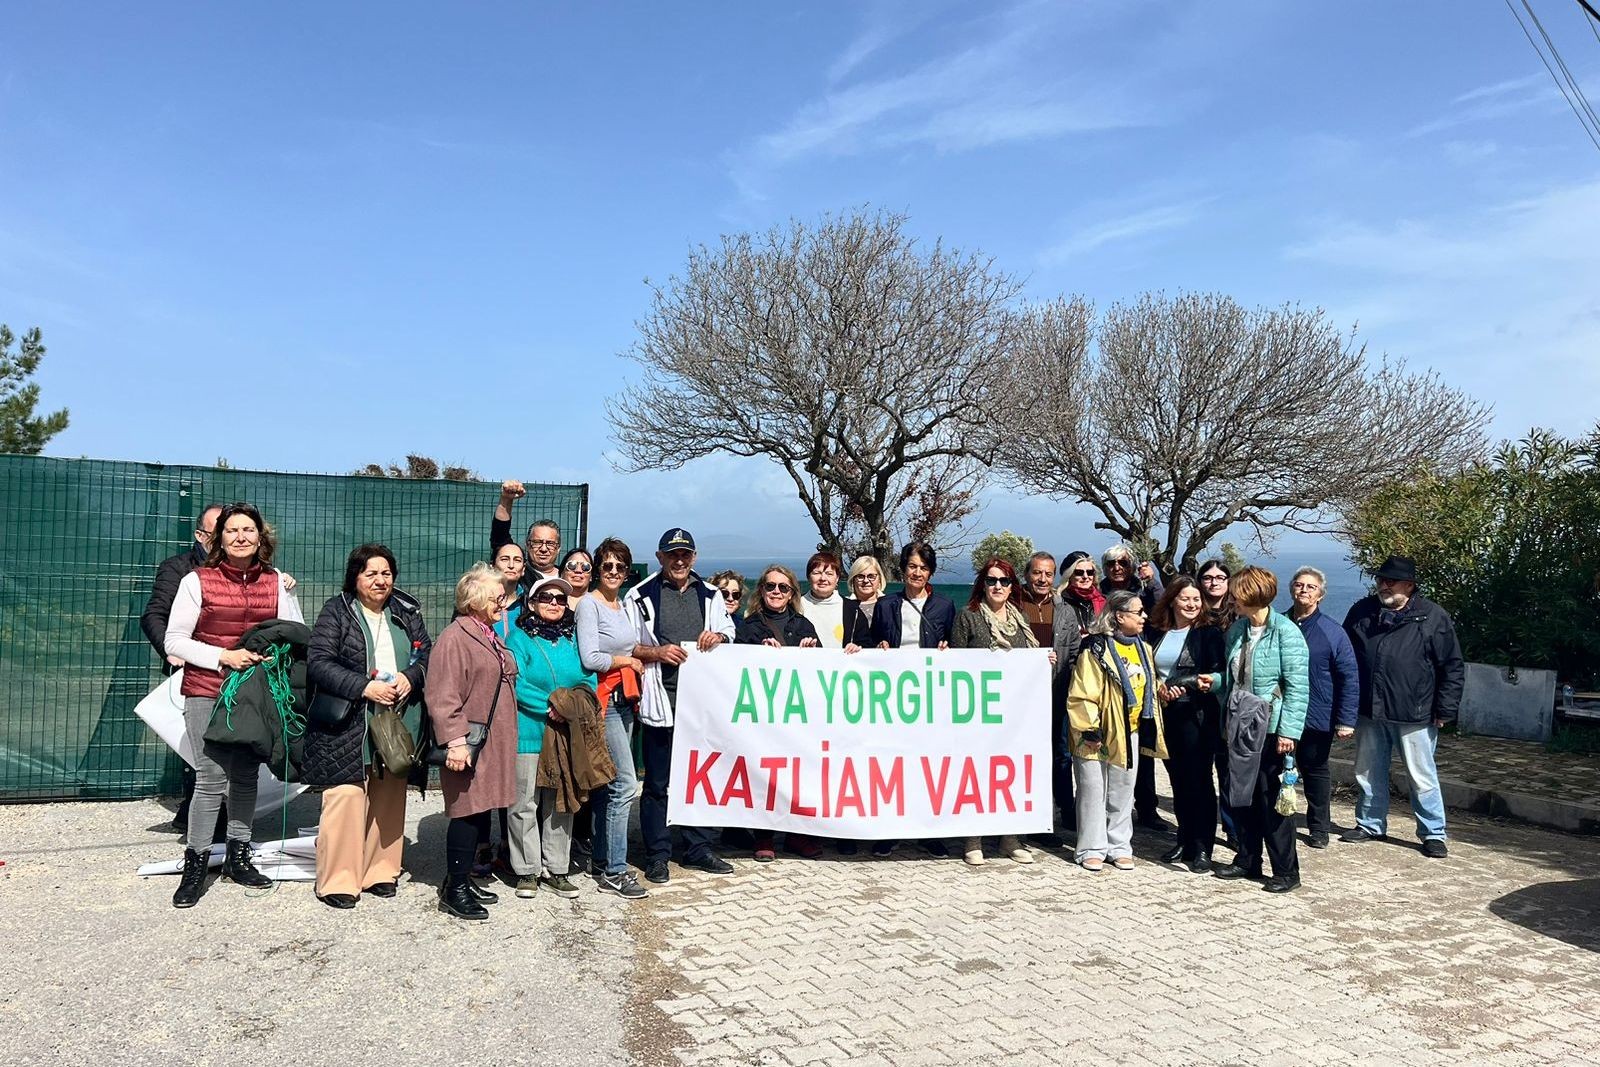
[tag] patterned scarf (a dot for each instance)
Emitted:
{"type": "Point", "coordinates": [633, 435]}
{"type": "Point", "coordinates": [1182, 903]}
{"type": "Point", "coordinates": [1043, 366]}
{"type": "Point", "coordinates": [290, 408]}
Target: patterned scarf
{"type": "Point", "coordinates": [1007, 626]}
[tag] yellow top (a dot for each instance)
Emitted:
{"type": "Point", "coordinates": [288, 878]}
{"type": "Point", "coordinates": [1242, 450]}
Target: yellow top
{"type": "Point", "coordinates": [1129, 654]}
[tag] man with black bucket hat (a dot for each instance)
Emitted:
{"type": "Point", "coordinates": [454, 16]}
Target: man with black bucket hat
{"type": "Point", "coordinates": [1411, 673]}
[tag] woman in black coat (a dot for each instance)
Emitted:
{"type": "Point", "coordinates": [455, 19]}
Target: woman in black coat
{"type": "Point", "coordinates": [1189, 659]}
{"type": "Point", "coordinates": [369, 647]}
{"type": "Point", "coordinates": [773, 619]}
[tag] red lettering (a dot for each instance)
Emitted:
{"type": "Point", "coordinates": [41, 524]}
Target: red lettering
{"type": "Point", "coordinates": [738, 784]}
{"type": "Point", "coordinates": [968, 792]}
{"type": "Point", "coordinates": [849, 791]}
{"type": "Point", "coordinates": [882, 790]}
{"type": "Point", "coordinates": [700, 776]}
{"type": "Point", "coordinates": [772, 765]}
{"type": "Point", "coordinates": [936, 792]}
{"type": "Point", "coordinates": [1002, 773]}
{"type": "Point", "coordinates": [795, 807]}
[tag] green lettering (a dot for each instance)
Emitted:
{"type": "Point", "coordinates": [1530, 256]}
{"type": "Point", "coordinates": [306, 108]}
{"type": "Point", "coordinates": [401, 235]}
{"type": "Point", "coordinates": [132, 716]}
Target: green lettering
{"type": "Point", "coordinates": [745, 702]}
{"type": "Point", "coordinates": [829, 680]}
{"type": "Point", "coordinates": [878, 687]}
{"type": "Point", "coordinates": [989, 693]}
{"type": "Point", "coordinates": [960, 680]}
{"type": "Point", "coordinates": [910, 697]}
{"type": "Point", "coordinates": [852, 712]}
{"type": "Point", "coordinates": [769, 685]}
{"type": "Point", "coordinates": [796, 708]}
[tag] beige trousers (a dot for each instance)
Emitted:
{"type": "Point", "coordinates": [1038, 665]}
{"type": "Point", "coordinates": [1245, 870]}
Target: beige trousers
{"type": "Point", "coordinates": [361, 834]}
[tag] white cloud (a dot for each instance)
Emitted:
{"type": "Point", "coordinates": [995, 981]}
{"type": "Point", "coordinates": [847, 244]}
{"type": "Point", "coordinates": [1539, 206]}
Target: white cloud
{"type": "Point", "coordinates": [1000, 89]}
{"type": "Point", "coordinates": [1502, 302]}
{"type": "Point", "coordinates": [1127, 227]}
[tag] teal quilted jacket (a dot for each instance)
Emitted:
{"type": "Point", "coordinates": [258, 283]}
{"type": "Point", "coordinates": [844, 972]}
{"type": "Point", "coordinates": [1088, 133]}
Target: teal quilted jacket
{"type": "Point", "coordinates": [1280, 660]}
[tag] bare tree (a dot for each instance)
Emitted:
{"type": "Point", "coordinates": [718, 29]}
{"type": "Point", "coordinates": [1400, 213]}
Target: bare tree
{"type": "Point", "coordinates": [1191, 414]}
{"type": "Point", "coordinates": [859, 361]}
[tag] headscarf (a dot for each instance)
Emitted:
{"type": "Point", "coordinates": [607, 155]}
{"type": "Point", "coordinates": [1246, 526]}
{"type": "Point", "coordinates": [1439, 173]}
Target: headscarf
{"type": "Point", "coordinates": [1007, 625]}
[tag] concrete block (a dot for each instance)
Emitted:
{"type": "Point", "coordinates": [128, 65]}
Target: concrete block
{"type": "Point", "coordinates": [1495, 707]}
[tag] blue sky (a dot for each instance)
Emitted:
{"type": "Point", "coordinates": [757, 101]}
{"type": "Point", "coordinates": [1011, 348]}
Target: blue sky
{"type": "Point", "coordinates": [390, 221]}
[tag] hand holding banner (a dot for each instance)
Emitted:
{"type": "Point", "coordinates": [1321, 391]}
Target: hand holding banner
{"type": "Point", "coordinates": [903, 743]}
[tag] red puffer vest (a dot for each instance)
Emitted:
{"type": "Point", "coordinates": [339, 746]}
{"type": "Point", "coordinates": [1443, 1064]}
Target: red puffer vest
{"type": "Point", "coordinates": [231, 601]}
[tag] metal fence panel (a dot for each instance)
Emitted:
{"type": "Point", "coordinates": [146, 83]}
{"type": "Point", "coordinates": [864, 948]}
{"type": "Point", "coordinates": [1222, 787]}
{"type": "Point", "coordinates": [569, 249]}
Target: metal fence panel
{"type": "Point", "coordinates": [79, 544]}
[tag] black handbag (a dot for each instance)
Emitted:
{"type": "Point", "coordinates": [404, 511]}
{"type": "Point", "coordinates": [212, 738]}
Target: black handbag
{"type": "Point", "coordinates": [477, 734]}
{"type": "Point", "coordinates": [330, 712]}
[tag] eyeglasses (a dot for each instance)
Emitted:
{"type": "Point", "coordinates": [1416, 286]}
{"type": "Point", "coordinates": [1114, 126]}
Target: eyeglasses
{"type": "Point", "coordinates": [776, 587]}
{"type": "Point", "coordinates": [577, 566]}
{"type": "Point", "coordinates": [1083, 573]}
{"type": "Point", "coordinates": [733, 594]}
{"type": "Point", "coordinates": [865, 578]}
{"type": "Point", "coordinates": [500, 601]}
{"type": "Point", "coordinates": [1310, 587]}
{"type": "Point", "coordinates": [611, 566]}
{"type": "Point", "coordinates": [556, 597]}
{"type": "Point", "coordinates": [542, 543]}
{"type": "Point", "coordinates": [1002, 582]}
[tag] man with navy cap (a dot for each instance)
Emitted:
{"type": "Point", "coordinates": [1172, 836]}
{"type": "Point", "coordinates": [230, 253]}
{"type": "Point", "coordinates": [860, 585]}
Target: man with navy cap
{"type": "Point", "coordinates": [677, 611]}
{"type": "Point", "coordinates": [1411, 674]}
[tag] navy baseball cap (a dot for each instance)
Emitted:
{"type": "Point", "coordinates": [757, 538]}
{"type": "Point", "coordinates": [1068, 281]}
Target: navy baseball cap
{"type": "Point", "coordinates": [676, 539]}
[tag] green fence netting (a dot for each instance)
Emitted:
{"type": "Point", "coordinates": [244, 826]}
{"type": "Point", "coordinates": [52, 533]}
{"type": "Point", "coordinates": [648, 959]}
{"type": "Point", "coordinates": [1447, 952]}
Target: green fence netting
{"type": "Point", "coordinates": [79, 545]}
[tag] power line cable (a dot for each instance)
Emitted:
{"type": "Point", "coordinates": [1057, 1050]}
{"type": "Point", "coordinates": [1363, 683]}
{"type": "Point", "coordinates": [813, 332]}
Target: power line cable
{"type": "Point", "coordinates": [1577, 89]}
{"type": "Point", "coordinates": [1583, 119]}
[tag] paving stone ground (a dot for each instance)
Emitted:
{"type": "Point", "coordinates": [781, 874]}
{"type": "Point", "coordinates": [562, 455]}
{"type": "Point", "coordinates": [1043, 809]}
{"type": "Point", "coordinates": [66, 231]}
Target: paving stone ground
{"type": "Point", "coordinates": [1489, 957]}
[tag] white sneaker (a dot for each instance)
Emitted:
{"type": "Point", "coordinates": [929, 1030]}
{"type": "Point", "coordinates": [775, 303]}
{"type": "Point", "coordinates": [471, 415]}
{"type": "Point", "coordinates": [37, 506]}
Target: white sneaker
{"type": "Point", "coordinates": [974, 852]}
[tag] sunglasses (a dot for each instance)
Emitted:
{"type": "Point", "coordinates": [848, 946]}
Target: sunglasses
{"type": "Point", "coordinates": [551, 598]}
{"type": "Point", "coordinates": [611, 566]}
{"type": "Point", "coordinates": [577, 566]}
{"type": "Point", "coordinates": [1083, 574]}
{"type": "Point", "coordinates": [733, 594]}
{"type": "Point", "coordinates": [1119, 563]}
{"type": "Point", "coordinates": [776, 587]}
{"type": "Point", "coordinates": [1003, 583]}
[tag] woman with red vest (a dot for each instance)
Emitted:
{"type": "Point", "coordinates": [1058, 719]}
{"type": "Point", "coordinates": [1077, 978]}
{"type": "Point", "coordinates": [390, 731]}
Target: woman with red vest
{"type": "Point", "coordinates": [216, 604]}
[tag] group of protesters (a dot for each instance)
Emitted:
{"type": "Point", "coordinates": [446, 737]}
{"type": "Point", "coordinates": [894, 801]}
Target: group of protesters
{"type": "Point", "coordinates": [554, 672]}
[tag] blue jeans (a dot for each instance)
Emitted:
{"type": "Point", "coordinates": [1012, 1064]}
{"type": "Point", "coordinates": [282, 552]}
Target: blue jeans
{"type": "Point", "coordinates": [1376, 740]}
{"type": "Point", "coordinates": [616, 800]}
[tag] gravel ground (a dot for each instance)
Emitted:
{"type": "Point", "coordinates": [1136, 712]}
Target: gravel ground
{"type": "Point", "coordinates": [102, 964]}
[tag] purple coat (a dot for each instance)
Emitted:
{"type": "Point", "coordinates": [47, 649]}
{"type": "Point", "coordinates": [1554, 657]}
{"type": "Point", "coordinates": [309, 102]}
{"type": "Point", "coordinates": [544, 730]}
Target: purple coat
{"type": "Point", "coordinates": [465, 668]}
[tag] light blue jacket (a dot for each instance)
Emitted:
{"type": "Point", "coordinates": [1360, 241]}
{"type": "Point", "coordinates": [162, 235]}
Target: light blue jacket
{"type": "Point", "coordinates": [1279, 671]}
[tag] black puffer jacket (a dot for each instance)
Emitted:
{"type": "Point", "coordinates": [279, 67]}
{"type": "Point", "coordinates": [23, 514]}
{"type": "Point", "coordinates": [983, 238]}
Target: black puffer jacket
{"type": "Point", "coordinates": [338, 664]}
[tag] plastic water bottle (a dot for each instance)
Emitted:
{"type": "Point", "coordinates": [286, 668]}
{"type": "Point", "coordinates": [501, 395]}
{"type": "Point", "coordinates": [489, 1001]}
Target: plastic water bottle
{"type": "Point", "coordinates": [383, 676]}
{"type": "Point", "coordinates": [1566, 697]}
{"type": "Point", "coordinates": [416, 653]}
{"type": "Point", "coordinates": [1291, 776]}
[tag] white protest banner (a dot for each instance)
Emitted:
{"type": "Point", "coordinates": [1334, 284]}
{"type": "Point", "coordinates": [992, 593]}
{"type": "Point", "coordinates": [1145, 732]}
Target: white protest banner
{"type": "Point", "coordinates": [900, 743]}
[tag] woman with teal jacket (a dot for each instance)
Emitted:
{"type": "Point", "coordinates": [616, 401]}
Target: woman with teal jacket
{"type": "Point", "coordinates": [1267, 656]}
{"type": "Point", "coordinates": [546, 651]}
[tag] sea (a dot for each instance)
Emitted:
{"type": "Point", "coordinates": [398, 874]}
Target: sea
{"type": "Point", "coordinates": [1346, 583]}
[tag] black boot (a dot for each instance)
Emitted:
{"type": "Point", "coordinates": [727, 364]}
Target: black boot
{"type": "Point", "coordinates": [480, 894]}
{"type": "Point", "coordinates": [456, 898]}
{"type": "Point", "coordinates": [193, 882]}
{"type": "Point", "coordinates": [238, 868]}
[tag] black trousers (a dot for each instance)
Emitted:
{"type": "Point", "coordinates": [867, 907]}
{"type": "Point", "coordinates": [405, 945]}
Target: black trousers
{"type": "Point", "coordinates": [1144, 790]}
{"type": "Point", "coordinates": [461, 839]}
{"type": "Point", "coordinates": [657, 752]}
{"type": "Point", "coordinates": [1061, 768]}
{"type": "Point", "coordinates": [1311, 756]}
{"type": "Point", "coordinates": [1193, 738]}
{"type": "Point", "coordinates": [1260, 825]}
